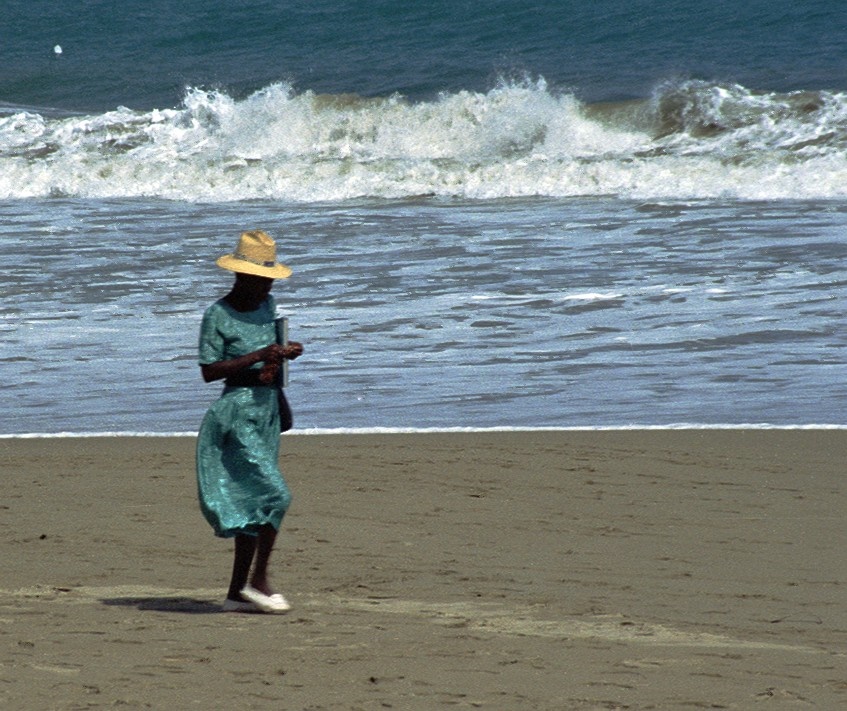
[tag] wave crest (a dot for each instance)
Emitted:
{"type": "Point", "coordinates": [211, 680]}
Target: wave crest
{"type": "Point", "coordinates": [691, 140]}
{"type": "Point", "coordinates": [796, 121]}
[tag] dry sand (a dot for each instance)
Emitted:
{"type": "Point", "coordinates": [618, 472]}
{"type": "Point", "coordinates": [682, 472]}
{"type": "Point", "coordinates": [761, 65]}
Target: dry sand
{"type": "Point", "coordinates": [569, 570]}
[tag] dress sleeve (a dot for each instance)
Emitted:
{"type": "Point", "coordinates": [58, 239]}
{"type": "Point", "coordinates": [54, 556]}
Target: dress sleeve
{"type": "Point", "coordinates": [211, 338]}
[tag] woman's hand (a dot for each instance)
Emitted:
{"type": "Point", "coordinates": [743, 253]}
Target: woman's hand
{"type": "Point", "coordinates": [268, 373]}
{"type": "Point", "coordinates": [276, 353]}
{"type": "Point", "coordinates": [273, 355]}
{"type": "Point", "coordinates": [292, 350]}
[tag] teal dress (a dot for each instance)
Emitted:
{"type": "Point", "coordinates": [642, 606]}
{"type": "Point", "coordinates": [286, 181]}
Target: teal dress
{"type": "Point", "coordinates": [238, 478]}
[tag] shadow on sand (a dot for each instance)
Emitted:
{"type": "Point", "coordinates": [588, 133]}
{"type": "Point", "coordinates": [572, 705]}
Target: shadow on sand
{"type": "Point", "coordinates": [185, 605]}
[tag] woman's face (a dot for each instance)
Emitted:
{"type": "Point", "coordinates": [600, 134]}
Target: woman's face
{"type": "Point", "coordinates": [257, 286]}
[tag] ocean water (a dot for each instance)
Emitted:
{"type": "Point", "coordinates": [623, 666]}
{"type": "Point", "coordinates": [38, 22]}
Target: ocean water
{"type": "Point", "coordinates": [499, 214]}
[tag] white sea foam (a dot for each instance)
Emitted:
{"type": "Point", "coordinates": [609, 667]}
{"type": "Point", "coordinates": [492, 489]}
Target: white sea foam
{"type": "Point", "coordinates": [441, 430]}
{"type": "Point", "coordinates": [693, 140]}
{"type": "Point", "coordinates": [593, 296]}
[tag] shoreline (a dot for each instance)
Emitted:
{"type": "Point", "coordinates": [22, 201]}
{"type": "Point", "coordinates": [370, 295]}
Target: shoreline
{"type": "Point", "coordinates": [547, 570]}
{"type": "Point", "coordinates": [682, 427]}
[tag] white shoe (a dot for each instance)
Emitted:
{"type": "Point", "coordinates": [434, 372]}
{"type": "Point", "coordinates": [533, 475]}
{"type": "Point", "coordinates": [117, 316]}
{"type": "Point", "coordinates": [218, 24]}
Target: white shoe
{"type": "Point", "coordinates": [275, 603]}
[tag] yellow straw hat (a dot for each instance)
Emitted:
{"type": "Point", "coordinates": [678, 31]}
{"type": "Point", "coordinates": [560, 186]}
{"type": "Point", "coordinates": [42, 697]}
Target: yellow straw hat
{"type": "Point", "coordinates": [255, 254]}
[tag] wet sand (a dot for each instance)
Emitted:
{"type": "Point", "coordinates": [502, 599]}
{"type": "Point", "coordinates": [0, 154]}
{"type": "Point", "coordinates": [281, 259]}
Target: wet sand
{"type": "Point", "coordinates": [531, 570]}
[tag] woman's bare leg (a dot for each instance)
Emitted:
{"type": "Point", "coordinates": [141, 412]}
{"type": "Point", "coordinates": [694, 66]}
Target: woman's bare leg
{"type": "Point", "coordinates": [264, 548]}
{"type": "Point", "coordinates": [245, 548]}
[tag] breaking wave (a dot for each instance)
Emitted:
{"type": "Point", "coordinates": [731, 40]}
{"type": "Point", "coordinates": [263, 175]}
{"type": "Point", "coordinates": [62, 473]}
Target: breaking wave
{"type": "Point", "coordinates": [690, 140]}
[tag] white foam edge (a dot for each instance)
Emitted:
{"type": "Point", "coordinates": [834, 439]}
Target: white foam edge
{"type": "Point", "coordinates": [445, 430]}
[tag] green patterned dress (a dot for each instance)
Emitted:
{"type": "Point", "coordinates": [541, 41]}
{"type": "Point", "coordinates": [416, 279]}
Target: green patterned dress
{"type": "Point", "coordinates": [238, 478]}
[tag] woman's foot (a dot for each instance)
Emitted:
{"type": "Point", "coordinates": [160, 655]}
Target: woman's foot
{"type": "Point", "coordinates": [261, 584]}
{"type": "Point", "coordinates": [273, 602]}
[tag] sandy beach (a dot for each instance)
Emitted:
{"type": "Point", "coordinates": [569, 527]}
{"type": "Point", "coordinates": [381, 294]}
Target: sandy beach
{"type": "Point", "coordinates": [524, 570]}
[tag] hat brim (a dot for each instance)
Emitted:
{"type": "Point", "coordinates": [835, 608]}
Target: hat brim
{"type": "Point", "coordinates": [233, 264]}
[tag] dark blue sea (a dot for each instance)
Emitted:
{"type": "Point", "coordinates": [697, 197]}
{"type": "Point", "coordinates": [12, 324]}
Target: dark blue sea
{"type": "Point", "coordinates": [499, 214]}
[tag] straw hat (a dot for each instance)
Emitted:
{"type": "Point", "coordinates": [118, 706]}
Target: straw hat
{"type": "Point", "coordinates": [255, 254]}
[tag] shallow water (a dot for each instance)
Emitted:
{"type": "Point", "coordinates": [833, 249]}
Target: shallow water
{"type": "Point", "coordinates": [435, 313]}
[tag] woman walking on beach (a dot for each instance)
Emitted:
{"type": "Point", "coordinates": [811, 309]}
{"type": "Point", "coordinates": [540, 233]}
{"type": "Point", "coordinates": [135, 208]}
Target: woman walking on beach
{"type": "Point", "coordinates": [242, 492]}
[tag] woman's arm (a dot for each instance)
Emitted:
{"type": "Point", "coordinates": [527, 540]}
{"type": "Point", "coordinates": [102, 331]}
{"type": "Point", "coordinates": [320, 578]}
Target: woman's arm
{"type": "Point", "coordinates": [271, 355]}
